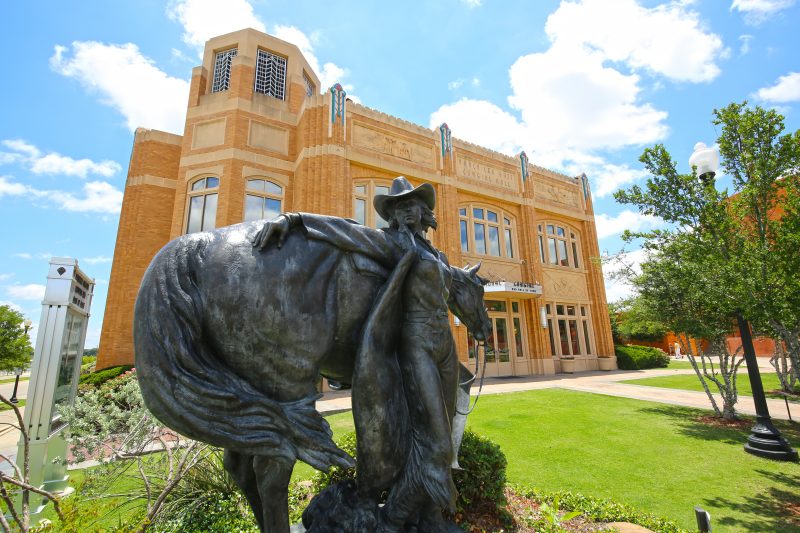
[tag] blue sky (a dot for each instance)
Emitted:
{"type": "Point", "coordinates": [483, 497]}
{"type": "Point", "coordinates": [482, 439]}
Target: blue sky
{"type": "Point", "coordinates": [581, 86]}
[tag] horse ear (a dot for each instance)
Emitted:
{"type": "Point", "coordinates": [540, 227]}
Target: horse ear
{"type": "Point", "coordinates": [465, 267]}
{"type": "Point", "coordinates": [474, 270]}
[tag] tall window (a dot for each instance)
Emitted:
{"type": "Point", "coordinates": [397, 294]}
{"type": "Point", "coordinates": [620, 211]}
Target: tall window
{"type": "Point", "coordinates": [222, 70]}
{"type": "Point", "coordinates": [558, 245]}
{"type": "Point", "coordinates": [203, 195]}
{"type": "Point", "coordinates": [486, 231]}
{"type": "Point", "coordinates": [309, 85]}
{"type": "Point", "coordinates": [363, 211]}
{"type": "Point", "coordinates": [569, 329]}
{"type": "Point", "coordinates": [270, 74]}
{"type": "Point", "coordinates": [262, 199]}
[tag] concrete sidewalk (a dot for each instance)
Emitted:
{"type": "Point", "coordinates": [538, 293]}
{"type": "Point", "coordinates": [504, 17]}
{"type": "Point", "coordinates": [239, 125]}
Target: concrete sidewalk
{"type": "Point", "coordinates": [598, 382]}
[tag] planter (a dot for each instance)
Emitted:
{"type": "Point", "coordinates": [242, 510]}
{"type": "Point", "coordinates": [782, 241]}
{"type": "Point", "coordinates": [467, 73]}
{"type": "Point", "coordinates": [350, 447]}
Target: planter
{"type": "Point", "coordinates": [607, 363]}
{"type": "Point", "coordinates": [568, 366]}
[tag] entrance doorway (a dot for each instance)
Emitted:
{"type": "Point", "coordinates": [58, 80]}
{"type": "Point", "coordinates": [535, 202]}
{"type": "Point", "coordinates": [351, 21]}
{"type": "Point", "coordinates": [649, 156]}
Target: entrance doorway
{"type": "Point", "coordinates": [506, 345]}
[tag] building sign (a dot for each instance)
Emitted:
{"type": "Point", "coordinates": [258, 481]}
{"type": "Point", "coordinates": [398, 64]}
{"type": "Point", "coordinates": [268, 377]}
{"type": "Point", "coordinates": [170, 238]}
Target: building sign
{"type": "Point", "coordinates": [513, 289]}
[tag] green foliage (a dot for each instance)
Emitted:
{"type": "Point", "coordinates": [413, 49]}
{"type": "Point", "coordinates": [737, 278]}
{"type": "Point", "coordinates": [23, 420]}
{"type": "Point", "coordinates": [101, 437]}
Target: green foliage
{"type": "Point", "coordinates": [336, 474]}
{"type": "Point", "coordinates": [597, 509]}
{"type": "Point", "coordinates": [633, 357]}
{"type": "Point", "coordinates": [15, 347]}
{"type": "Point", "coordinates": [552, 516]}
{"type": "Point", "coordinates": [482, 478]}
{"type": "Point", "coordinates": [730, 254]}
{"type": "Point", "coordinates": [90, 352]}
{"type": "Point", "coordinates": [636, 320]}
{"type": "Point", "coordinates": [98, 378]}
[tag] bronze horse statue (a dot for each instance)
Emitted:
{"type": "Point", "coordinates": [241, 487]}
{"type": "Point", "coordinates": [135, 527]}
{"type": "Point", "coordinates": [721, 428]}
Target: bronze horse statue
{"type": "Point", "coordinates": [230, 343]}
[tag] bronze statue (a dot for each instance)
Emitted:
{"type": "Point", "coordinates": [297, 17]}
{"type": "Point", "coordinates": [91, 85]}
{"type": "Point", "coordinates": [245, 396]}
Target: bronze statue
{"type": "Point", "coordinates": [232, 328]}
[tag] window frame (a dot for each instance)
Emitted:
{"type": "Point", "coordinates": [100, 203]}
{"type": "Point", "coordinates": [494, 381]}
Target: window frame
{"type": "Point", "coordinates": [268, 84]}
{"type": "Point", "coordinates": [504, 226]}
{"type": "Point", "coordinates": [204, 192]}
{"type": "Point", "coordinates": [222, 83]}
{"type": "Point", "coordinates": [554, 238]}
{"type": "Point", "coordinates": [371, 217]}
{"type": "Point", "coordinates": [263, 195]}
{"type": "Point", "coordinates": [558, 313]}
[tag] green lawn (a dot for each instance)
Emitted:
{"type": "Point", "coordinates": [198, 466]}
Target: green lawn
{"type": "Point", "coordinates": [679, 365]}
{"type": "Point", "coordinates": [12, 380]}
{"type": "Point", "coordinates": [654, 457]}
{"type": "Point", "coordinates": [5, 406]}
{"type": "Point", "coordinates": [692, 382]}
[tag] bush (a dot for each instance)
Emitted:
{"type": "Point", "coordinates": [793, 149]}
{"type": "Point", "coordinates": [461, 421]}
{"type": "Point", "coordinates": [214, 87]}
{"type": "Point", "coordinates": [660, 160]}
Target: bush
{"type": "Point", "coordinates": [98, 378]}
{"type": "Point", "coordinates": [631, 357]}
{"type": "Point", "coordinates": [336, 474]}
{"type": "Point", "coordinates": [601, 510]}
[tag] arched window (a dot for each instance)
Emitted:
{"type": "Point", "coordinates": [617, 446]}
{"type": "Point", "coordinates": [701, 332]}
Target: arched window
{"type": "Point", "coordinates": [558, 245]}
{"type": "Point", "coordinates": [486, 231]}
{"type": "Point", "coordinates": [363, 211]}
{"type": "Point", "coordinates": [263, 199]}
{"type": "Point", "coordinates": [203, 195]}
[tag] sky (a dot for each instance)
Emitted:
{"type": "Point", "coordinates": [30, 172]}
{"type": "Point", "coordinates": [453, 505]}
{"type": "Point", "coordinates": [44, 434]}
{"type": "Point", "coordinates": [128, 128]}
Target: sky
{"type": "Point", "coordinates": [580, 85]}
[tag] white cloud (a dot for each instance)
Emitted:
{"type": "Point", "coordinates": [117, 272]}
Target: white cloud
{"type": "Point", "coordinates": [204, 19]}
{"type": "Point", "coordinates": [757, 11]}
{"type": "Point", "coordinates": [745, 40]}
{"type": "Point", "coordinates": [127, 81]}
{"type": "Point", "coordinates": [38, 255]}
{"type": "Point", "coordinates": [785, 90]}
{"type": "Point", "coordinates": [472, 3]}
{"type": "Point", "coordinates": [97, 259]}
{"type": "Point", "coordinates": [476, 82]}
{"type": "Point", "coordinates": [667, 39]}
{"type": "Point", "coordinates": [455, 84]}
{"type": "Point", "coordinates": [97, 197]}
{"type": "Point", "coordinates": [329, 73]}
{"type": "Point", "coordinates": [584, 93]}
{"type": "Point", "coordinates": [616, 288]}
{"type": "Point", "coordinates": [608, 226]}
{"type": "Point", "coordinates": [12, 305]}
{"type": "Point", "coordinates": [4, 277]}
{"type": "Point", "coordinates": [55, 163]}
{"type": "Point", "coordinates": [9, 188]}
{"type": "Point", "coordinates": [32, 291]}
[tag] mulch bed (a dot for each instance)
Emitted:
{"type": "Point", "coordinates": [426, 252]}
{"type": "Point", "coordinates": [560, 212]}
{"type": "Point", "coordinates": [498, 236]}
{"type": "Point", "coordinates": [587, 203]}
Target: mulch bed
{"type": "Point", "coordinates": [717, 422]}
{"type": "Point", "coordinates": [525, 517]}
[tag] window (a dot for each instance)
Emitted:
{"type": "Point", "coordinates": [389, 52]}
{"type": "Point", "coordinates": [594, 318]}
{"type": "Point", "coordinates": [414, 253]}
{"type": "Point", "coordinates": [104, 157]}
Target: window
{"type": "Point", "coordinates": [309, 85]}
{"type": "Point", "coordinates": [363, 210]}
{"type": "Point", "coordinates": [270, 74]}
{"type": "Point", "coordinates": [262, 199]}
{"type": "Point", "coordinates": [222, 70]}
{"type": "Point", "coordinates": [558, 245]}
{"type": "Point", "coordinates": [486, 231]}
{"type": "Point", "coordinates": [202, 205]}
{"type": "Point", "coordinates": [569, 329]}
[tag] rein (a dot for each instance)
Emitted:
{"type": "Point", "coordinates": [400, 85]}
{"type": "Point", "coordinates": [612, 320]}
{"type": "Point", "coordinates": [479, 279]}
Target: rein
{"type": "Point", "coordinates": [477, 345]}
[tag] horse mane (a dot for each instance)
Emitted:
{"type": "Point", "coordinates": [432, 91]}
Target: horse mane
{"type": "Point", "coordinates": [186, 386]}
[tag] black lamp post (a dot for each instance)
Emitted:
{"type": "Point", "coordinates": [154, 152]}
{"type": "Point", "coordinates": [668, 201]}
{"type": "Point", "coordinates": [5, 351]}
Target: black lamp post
{"type": "Point", "coordinates": [765, 439]}
{"type": "Point", "coordinates": [18, 371]}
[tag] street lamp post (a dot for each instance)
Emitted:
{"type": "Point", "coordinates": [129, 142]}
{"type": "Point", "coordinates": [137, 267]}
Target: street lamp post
{"type": "Point", "coordinates": [765, 439]}
{"type": "Point", "coordinates": [18, 371]}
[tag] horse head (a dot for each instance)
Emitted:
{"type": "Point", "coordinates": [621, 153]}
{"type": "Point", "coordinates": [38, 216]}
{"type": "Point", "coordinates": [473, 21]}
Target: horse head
{"type": "Point", "coordinates": [466, 301]}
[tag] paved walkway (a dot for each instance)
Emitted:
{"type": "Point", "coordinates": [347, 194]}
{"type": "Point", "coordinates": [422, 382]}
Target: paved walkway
{"type": "Point", "coordinates": [597, 382]}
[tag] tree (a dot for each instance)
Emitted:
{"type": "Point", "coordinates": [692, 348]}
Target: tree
{"type": "Point", "coordinates": [15, 347]}
{"type": "Point", "coordinates": [633, 320]}
{"type": "Point", "coordinates": [742, 247]}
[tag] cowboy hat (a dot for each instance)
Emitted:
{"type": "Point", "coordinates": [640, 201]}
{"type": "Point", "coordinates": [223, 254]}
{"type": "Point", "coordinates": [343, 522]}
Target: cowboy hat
{"type": "Point", "coordinates": [401, 189]}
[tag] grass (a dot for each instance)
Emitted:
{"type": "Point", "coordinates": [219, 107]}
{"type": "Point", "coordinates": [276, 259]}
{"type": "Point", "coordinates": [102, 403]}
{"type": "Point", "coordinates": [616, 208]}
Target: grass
{"type": "Point", "coordinates": [691, 382]}
{"type": "Point", "coordinates": [679, 365]}
{"type": "Point", "coordinates": [657, 458]}
{"type": "Point", "coordinates": [5, 406]}
{"type": "Point", "coordinates": [12, 380]}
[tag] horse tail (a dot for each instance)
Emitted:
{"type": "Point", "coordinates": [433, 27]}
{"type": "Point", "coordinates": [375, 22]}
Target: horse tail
{"type": "Point", "coordinates": [186, 386]}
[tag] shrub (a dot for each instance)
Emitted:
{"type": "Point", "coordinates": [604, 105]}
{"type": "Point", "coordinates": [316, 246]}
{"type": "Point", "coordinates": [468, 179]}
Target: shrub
{"type": "Point", "coordinates": [601, 510]}
{"type": "Point", "coordinates": [631, 357]}
{"type": "Point", "coordinates": [98, 378]}
{"type": "Point", "coordinates": [336, 474]}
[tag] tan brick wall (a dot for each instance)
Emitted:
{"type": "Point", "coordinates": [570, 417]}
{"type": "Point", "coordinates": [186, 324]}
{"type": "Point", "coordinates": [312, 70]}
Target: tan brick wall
{"type": "Point", "coordinates": [144, 226]}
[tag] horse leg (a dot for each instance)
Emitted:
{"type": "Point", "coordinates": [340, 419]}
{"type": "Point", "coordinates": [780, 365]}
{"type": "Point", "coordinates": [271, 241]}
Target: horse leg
{"type": "Point", "coordinates": [240, 467]}
{"type": "Point", "coordinates": [273, 475]}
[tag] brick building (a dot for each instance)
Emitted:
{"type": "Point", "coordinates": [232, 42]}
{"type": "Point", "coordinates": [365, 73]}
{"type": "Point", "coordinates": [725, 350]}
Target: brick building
{"type": "Point", "coordinates": [260, 139]}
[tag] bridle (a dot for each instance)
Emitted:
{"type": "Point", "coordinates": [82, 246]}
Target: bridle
{"type": "Point", "coordinates": [477, 345]}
